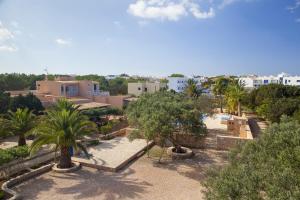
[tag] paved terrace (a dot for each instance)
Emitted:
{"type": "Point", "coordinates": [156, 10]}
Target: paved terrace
{"type": "Point", "coordinates": [143, 180]}
{"type": "Point", "coordinates": [113, 154]}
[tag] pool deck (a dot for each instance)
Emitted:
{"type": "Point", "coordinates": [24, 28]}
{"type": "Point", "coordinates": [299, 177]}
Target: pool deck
{"type": "Point", "coordinates": [114, 154]}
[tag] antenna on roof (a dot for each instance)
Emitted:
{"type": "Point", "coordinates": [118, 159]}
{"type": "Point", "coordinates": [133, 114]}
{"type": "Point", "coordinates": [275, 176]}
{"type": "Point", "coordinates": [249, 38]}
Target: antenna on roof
{"type": "Point", "coordinates": [46, 70]}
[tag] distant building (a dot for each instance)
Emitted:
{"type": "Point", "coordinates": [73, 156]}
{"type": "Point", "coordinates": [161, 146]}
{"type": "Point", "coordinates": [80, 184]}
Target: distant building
{"type": "Point", "coordinates": [79, 92]}
{"type": "Point", "coordinates": [254, 81]}
{"type": "Point", "coordinates": [139, 88]}
{"type": "Point", "coordinates": [178, 84]}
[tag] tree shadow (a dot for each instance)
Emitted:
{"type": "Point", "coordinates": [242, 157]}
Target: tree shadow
{"type": "Point", "coordinates": [32, 192]}
{"type": "Point", "coordinates": [196, 167]}
{"type": "Point", "coordinates": [109, 186]}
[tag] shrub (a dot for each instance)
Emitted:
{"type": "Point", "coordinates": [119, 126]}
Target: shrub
{"type": "Point", "coordinates": [19, 152]}
{"type": "Point", "coordinates": [267, 168]}
{"type": "Point", "coordinates": [1, 194]}
{"type": "Point", "coordinates": [7, 155]}
{"type": "Point", "coordinates": [106, 128]}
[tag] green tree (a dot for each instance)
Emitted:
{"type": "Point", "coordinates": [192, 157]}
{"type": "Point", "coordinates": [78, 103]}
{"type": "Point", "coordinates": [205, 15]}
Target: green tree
{"type": "Point", "coordinates": [19, 123]}
{"type": "Point", "coordinates": [191, 89]}
{"type": "Point", "coordinates": [177, 75]}
{"type": "Point", "coordinates": [234, 95]}
{"type": "Point", "coordinates": [29, 101]}
{"type": "Point", "coordinates": [62, 127]}
{"type": "Point", "coordinates": [118, 86]}
{"type": "Point", "coordinates": [163, 114]}
{"type": "Point", "coordinates": [4, 102]}
{"type": "Point", "coordinates": [267, 168]}
{"type": "Point", "coordinates": [219, 90]}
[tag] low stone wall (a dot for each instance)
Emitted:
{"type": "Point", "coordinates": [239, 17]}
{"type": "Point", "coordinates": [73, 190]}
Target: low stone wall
{"type": "Point", "coordinates": [19, 179]}
{"type": "Point", "coordinates": [17, 166]}
{"type": "Point", "coordinates": [228, 142]}
{"type": "Point", "coordinates": [118, 133]}
{"type": "Point", "coordinates": [191, 141]}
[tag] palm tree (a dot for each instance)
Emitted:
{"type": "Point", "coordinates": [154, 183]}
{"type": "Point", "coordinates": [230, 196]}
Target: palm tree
{"type": "Point", "coordinates": [61, 127]}
{"type": "Point", "coordinates": [191, 89]}
{"type": "Point", "coordinates": [19, 123]}
{"type": "Point", "coordinates": [220, 88]}
{"type": "Point", "coordinates": [234, 95]}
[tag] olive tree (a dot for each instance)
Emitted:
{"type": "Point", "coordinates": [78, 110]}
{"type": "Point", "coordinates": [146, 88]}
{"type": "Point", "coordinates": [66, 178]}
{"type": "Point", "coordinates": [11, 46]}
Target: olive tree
{"type": "Point", "coordinates": [267, 168]}
{"type": "Point", "coordinates": [164, 114]}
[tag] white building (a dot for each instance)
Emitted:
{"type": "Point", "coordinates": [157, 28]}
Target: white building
{"type": "Point", "coordinates": [254, 81]}
{"type": "Point", "coordinates": [178, 84]}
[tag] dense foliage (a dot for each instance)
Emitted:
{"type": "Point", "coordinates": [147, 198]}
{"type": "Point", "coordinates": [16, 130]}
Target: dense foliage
{"type": "Point", "coordinates": [29, 101]}
{"type": "Point", "coordinates": [8, 155]}
{"type": "Point", "coordinates": [177, 75]}
{"type": "Point", "coordinates": [164, 114]}
{"type": "Point", "coordinates": [219, 89]}
{"type": "Point", "coordinates": [19, 81]}
{"type": "Point", "coordinates": [267, 168]}
{"type": "Point", "coordinates": [274, 100]}
{"type": "Point", "coordinates": [234, 95]}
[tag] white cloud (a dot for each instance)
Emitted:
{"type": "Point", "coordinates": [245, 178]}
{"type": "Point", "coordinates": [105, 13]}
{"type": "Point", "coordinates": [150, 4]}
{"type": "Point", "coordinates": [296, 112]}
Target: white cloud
{"type": "Point", "coordinates": [8, 48]}
{"type": "Point", "coordinates": [158, 9]}
{"type": "Point", "coordinates": [6, 39]}
{"type": "Point", "coordinates": [63, 42]}
{"type": "Point", "coordinates": [195, 10]}
{"type": "Point", "coordinates": [5, 34]}
{"type": "Point", "coordinates": [295, 6]}
{"type": "Point", "coordinates": [174, 10]}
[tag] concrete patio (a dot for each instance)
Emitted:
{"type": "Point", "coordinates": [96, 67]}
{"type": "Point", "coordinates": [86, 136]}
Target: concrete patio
{"type": "Point", "coordinates": [143, 180]}
{"type": "Point", "coordinates": [112, 155]}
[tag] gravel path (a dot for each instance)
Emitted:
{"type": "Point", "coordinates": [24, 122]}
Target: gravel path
{"type": "Point", "coordinates": [144, 179]}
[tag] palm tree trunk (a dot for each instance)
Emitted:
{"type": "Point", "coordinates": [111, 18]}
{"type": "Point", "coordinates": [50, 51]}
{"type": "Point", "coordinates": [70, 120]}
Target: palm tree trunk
{"type": "Point", "coordinates": [22, 140]}
{"type": "Point", "coordinates": [221, 104]}
{"type": "Point", "coordinates": [239, 109]}
{"type": "Point", "coordinates": [65, 158]}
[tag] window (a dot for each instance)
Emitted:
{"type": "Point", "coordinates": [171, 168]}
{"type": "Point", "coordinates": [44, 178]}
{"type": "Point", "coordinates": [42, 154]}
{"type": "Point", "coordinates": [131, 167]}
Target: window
{"type": "Point", "coordinates": [95, 87]}
{"type": "Point", "coordinates": [289, 81]}
{"type": "Point", "coordinates": [298, 81]}
{"type": "Point", "coordinates": [266, 81]}
{"type": "Point", "coordinates": [62, 89]}
{"type": "Point", "coordinates": [145, 89]}
{"type": "Point", "coordinates": [139, 88]}
{"type": "Point", "coordinates": [67, 89]}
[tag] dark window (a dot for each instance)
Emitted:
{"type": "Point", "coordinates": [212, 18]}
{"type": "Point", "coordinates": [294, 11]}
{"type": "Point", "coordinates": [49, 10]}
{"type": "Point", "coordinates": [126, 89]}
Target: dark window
{"type": "Point", "coordinates": [62, 89]}
{"type": "Point", "coordinates": [298, 81]}
{"type": "Point", "coordinates": [145, 89]}
{"type": "Point", "coordinates": [95, 87]}
{"type": "Point", "coordinates": [139, 88]}
{"type": "Point", "coordinates": [67, 89]}
{"type": "Point", "coordinates": [266, 81]}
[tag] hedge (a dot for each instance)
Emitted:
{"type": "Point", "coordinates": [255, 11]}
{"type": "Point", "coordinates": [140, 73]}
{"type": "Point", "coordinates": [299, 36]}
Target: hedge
{"type": "Point", "coordinates": [7, 155]}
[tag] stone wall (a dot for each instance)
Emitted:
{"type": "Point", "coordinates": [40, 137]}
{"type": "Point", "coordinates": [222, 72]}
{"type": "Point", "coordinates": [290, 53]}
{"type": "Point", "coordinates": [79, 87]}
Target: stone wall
{"type": "Point", "coordinates": [17, 166]}
{"type": "Point", "coordinates": [191, 141]}
{"type": "Point", "coordinates": [228, 142]}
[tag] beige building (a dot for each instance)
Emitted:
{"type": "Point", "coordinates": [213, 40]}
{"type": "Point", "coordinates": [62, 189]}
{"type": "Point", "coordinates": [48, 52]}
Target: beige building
{"type": "Point", "coordinates": [139, 88]}
{"type": "Point", "coordinates": [81, 92]}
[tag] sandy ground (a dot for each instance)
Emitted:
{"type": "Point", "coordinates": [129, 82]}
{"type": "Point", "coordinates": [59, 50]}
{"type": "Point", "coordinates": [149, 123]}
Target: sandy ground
{"type": "Point", "coordinates": [143, 179]}
{"type": "Point", "coordinates": [11, 142]}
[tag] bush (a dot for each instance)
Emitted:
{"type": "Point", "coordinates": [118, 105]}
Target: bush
{"type": "Point", "coordinates": [5, 157]}
{"type": "Point", "coordinates": [19, 152]}
{"type": "Point", "coordinates": [8, 155]}
{"type": "Point", "coordinates": [1, 195]}
{"type": "Point", "coordinates": [267, 168]}
{"type": "Point", "coordinates": [106, 128]}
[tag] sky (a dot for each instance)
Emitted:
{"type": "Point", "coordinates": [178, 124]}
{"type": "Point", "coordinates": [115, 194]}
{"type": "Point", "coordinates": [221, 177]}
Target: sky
{"type": "Point", "coordinates": [150, 37]}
